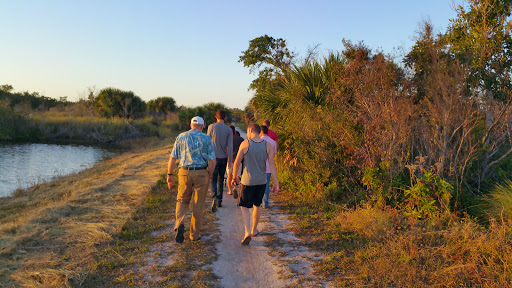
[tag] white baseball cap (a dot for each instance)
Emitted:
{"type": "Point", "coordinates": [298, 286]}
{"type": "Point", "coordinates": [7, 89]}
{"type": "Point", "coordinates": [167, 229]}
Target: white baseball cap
{"type": "Point", "coordinates": [197, 120]}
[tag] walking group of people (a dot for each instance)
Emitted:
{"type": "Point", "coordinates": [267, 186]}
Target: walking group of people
{"type": "Point", "coordinates": [201, 157]}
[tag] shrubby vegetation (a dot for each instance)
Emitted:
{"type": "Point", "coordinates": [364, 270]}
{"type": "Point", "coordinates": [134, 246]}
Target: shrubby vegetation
{"type": "Point", "coordinates": [106, 116]}
{"type": "Point", "coordinates": [377, 128]}
{"type": "Point", "coordinates": [112, 102]}
{"type": "Point", "coordinates": [162, 106]}
{"type": "Point", "coordinates": [399, 168]}
{"type": "Point", "coordinates": [206, 111]}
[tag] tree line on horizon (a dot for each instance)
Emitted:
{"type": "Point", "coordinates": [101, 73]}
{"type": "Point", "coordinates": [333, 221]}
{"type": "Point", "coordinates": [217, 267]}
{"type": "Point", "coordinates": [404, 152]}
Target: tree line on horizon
{"type": "Point", "coordinates": [107, 103]}
{"type": "Point", "coordinates": [429, 133]}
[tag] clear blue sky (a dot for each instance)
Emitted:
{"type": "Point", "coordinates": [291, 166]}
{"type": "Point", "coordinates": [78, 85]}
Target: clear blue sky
{"type": "Point", "coordinates": [187, 50]}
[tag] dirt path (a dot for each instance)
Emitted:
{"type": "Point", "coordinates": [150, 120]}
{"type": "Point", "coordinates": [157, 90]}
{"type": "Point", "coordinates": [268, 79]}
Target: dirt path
{"type": "Point", "coordinates": [243, 266]}
{"type": "Point", "coordinates": [274, 258]}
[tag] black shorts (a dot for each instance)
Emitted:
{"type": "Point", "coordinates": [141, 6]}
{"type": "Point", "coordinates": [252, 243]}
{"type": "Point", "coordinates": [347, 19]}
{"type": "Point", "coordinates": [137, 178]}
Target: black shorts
{"type": "Point", "coordinates": [251, 195]}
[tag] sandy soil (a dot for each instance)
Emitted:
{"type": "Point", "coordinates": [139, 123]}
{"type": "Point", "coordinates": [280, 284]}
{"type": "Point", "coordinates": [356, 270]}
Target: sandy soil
{"type": "Point", "coordinates": [243, 266]}
{"type": "Point", "coordinates": [274, 258]}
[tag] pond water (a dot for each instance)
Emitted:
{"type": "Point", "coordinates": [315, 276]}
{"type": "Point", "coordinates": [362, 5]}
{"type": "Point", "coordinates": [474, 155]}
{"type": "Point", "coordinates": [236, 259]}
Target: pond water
{"type": "Point", "coordinates": [25, 165]}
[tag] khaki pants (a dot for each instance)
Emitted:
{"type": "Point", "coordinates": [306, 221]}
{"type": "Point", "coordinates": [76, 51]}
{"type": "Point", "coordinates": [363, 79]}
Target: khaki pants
{"type": "Point", "coordinates": [192, 184]}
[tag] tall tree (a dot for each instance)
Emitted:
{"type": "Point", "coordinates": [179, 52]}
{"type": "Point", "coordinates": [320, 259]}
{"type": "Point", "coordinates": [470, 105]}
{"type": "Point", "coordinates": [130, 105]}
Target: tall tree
{"type": "Point", "coordinates": [269, 52]}
{"type": "Point", "coordinates": [420, 60]}
{"type": "Point", "coordinates": [162, 105]}
{"type": "Point", "coordinates": [481, 38]}
{"type": "Point", "coordinates": [112, 102]}
{"type": "Point", "coordinates": [6, 88]}
{"type": "Point", "coordinates": [206, 111]}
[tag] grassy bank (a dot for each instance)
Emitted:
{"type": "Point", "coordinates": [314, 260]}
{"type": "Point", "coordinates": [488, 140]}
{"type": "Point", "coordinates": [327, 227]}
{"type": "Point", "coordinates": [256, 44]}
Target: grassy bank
{"type": "Point", "coordinates": [50, 233]}
{"type": "Point", "coordinates": [378, 247]}
{"type": "Point", "coordinates": [53, 126]}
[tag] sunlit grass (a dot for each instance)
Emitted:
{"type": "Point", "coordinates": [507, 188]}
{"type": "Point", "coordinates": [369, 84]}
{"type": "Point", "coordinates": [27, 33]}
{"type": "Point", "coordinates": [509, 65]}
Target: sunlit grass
{"type": "Point", "coordinates": [499, 202]}
{"type": "Point", "coordinates": [367, 246]}
{"type": "Point", "coordinates": [50, 126]}
{"type": "Point", "coordinates": [49, 234]}
{"type": "Point", "coordinates": [131, 258]}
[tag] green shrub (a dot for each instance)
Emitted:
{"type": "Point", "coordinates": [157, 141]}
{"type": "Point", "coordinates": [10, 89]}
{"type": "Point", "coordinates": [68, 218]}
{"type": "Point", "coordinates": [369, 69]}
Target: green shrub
{"type": "Point", "coordinates": [429, 197]}
{"type": "Point", "coordinates": [333, 193]}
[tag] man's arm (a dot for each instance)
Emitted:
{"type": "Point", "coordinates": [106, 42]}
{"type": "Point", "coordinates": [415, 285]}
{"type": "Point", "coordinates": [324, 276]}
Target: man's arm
{"type": "Point", "coordinates": [170, 168]}
{"type": "Point", "coordinates": [241, 152]}
{"type": "Point", "coordinates": [272, 166]}
{"type": "Point", "coordinates": [211, 167]}
{"type": "Point", "coordinates": [210, 154]}
{"type": "Point", "coordinates": [209, 130]}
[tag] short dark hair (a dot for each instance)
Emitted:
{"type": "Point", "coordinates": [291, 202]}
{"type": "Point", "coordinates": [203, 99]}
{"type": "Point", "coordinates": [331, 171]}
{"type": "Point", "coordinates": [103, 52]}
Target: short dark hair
{"type": "Point", "coordinates": [255, 128]}
{"type": "Point", "coordinates": [221, 114]}
{"type": "Point", "coordinates": [264, 129]}
{"type": "Point", "coordinates": [266, 123]}
{"type": "Point", "coordinates": [232, 128]}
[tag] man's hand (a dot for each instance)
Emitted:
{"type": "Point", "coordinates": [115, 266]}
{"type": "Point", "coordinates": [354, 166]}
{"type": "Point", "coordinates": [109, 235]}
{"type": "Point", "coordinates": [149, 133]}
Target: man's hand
{"type": "Point", "coordinates": [234, 182]}
{"type": "Point", "coordinates": [170, 181]}
{"type": "Point", "coordinates": [275, 187]}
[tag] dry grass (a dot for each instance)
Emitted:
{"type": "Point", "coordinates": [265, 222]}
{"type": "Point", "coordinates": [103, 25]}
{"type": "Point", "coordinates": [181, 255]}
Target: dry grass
{"type": "Point", "coordinates": [144, 253]}
{"type": "Point", "coordinates": [49, 233]}
{"type": "Point", "coordinates": [380, 248]}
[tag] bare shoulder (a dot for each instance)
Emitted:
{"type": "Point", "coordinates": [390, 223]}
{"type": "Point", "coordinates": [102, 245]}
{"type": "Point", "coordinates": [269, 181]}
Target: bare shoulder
{"type": "Point", "coordinates": [244, 144]}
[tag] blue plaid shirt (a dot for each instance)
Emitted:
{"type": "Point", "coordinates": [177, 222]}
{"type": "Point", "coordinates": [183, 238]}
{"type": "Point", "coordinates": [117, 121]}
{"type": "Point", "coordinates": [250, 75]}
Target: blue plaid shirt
{"type": "Point", "coordinates": [193, 149]}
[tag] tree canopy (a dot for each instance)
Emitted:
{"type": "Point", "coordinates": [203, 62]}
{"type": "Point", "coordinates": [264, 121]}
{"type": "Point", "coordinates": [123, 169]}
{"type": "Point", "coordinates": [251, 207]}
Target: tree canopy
{"type": "Point", "coordinates": [481, 38]}
{"type": "Point", "coordinates": [162, 105]}
{"type": "Point", "coordinates": [269, 52]}
{"type": "Point", "coordinates": [206, 111]}
{"type": "Point", "coordinates": [112, 102]}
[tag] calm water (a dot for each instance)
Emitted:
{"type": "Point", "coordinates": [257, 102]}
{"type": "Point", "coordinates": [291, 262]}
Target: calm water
{"type": "Point", "coordinates": [24, 165]}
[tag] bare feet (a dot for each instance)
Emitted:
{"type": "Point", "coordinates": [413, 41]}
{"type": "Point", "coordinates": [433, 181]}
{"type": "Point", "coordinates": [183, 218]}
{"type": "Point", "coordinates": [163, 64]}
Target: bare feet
{"type": "Point", "coordinates": [254, 234]}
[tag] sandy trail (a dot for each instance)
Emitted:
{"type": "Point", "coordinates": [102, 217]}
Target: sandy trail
{"type": "Point", "coordinates": [237, 265]}
{"type": "Point", "coordinates": [243, 266]}
{"type": "Point", "coordinates": [274, 258]}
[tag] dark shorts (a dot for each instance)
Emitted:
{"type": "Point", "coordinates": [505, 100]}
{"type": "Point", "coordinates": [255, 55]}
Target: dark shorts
{"type": "Point", "coordinates": [251, 195]}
